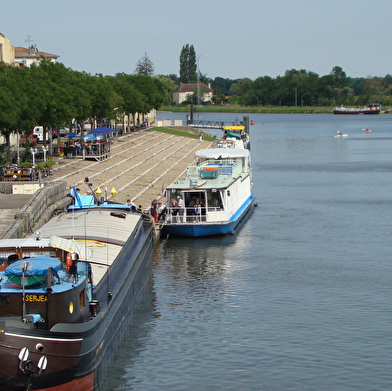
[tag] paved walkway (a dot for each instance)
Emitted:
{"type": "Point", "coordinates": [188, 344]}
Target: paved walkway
{"type": "Point", "coordinates": [141, 165]}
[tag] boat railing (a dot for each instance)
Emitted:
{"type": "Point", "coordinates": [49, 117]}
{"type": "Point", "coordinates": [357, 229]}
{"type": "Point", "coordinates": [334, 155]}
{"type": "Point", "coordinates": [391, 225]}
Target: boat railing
{"type": "Point", "coordinates": [224, 167]}
{"type": "Point", "coordinates": [194, 214]}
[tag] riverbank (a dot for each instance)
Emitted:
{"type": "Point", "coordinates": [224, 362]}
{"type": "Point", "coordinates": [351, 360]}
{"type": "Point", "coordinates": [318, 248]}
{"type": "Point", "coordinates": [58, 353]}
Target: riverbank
{"type": "Point", "coordinates": [256, 110]}
{"type": "Point", "coordinates": [140, 166]}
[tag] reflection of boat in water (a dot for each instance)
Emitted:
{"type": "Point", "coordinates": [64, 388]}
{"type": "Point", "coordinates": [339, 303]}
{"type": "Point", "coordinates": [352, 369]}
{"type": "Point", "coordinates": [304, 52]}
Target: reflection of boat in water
{"type": "Point", "coordinates": [68, 293]}
{"type": "Point", "coordinates": [374, 108]}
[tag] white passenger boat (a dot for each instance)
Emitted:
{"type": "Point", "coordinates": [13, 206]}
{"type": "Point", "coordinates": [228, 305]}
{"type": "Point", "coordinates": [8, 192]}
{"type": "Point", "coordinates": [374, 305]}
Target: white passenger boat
{"type": "Point", "coordinates": [234, 136]}
{"type": "Point", "coordinates": [214, 195]}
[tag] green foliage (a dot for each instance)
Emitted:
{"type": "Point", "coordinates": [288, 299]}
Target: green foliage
{"type": "Point", "coordinates": [236, 108]}
{"type": "Point", "coordinates": [181, 133]}
{"type": "Point", "coordinates": [46, 164]}
{"type": "Point", "coordinates": [145, 66]}
{"type": "Point", "coordinates": [168, 86]}
{"type": "Point", "coordinates": [301, 88]}
{"type": "Point", "coordinates": [51, 95]}
{"type": "Point", "coordinates": [188, 66]}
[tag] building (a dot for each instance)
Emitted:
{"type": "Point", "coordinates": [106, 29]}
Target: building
{"type": "Point", "coordinates": [22, 57]}
{"type": "Point", "coordinates": [27, 56]}
{"type": "Point", "coordinates": [184, 89]}
{"type": "Point", "coordinates": [7, 51]}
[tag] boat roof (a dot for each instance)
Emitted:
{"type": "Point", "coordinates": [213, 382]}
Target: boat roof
{"type": "Point", "coordinates": [212, 173]}
{"type": "Point", "coordinates": [100, 233]}
{"type": "Point", "coordinates": [88, 202]}
{"type": "Point", "coordinates": [97, 235]}
{"type": "Point", "coordinates": [234, 127]}
{"type": "Point", "coordinates": [97, 224]}
{"type": "Point", "coordinates": [217, 153]}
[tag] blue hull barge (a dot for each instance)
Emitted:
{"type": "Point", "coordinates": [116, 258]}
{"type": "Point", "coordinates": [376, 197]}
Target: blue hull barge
{"type": "Point", "coordinates": [214, 196]}
{"type": "Point", "coordinates": [68, 293]}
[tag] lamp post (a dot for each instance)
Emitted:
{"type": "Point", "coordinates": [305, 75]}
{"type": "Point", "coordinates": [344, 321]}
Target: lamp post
{"type": "Point", "coordinates": [33, 152]}
{"type": "Point", "coordinates": [45, 149]}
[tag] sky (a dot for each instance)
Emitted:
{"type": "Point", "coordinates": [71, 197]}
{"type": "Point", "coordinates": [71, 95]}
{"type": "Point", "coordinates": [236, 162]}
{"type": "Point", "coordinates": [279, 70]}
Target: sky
{"type": "Point", "coordinates": [232, 39]}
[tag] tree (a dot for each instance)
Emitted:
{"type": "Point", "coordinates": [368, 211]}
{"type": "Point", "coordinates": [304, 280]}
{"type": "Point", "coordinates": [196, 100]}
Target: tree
{"type": "Point", "coordinates": [51, 80]}
{"type": "Point", "coordinates": [131, 100]}
{"type": "Point", "coordinates": [9, 104]}
{"type": "Point", "coordinates": [101, 95]}
{"type": "Point", "coordinates": [188, 66]}
{"type": "Point", "coordinates": [145, 66]}
{"type": "Point", "coordinates": [168, 88]}
{"type": "Point", "coordinates": [339, 77]}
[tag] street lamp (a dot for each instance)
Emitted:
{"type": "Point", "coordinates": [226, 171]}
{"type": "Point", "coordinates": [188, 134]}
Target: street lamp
{"type": "Point", "coordinates": [45, 149]}
{"type": "Point", "coordinates": [33, 152]}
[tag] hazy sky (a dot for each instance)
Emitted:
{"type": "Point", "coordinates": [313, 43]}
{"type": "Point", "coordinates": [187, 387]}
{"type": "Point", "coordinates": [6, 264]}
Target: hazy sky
{"type": "Point", "coordinates": [232, 38]}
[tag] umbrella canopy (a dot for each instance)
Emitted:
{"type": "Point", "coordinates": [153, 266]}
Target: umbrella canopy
{"type": "Point", "coordinates": [72, 135]}
{"type": "Point", "coordinates": [102, 130]}
{"type": "Point", "coordinates": [91, 137]}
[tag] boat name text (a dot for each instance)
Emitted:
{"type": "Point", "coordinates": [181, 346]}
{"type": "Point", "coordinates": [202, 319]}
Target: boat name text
{"type": "Point", "coordinates": [37, 298]}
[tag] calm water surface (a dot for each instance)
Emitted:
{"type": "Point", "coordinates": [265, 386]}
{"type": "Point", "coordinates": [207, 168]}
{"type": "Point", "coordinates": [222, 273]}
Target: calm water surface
{"type": "Point", "coordinates": [299, 298]}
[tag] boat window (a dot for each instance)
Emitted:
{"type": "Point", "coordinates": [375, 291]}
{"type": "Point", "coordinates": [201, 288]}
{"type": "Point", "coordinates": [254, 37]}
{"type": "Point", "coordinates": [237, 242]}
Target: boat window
{"type": "Point", "coordinates": [82, 300]}
{"type": "Point", "coordinates": [214, 199]}
{"type": "Point", "coordinates": [192, 196]}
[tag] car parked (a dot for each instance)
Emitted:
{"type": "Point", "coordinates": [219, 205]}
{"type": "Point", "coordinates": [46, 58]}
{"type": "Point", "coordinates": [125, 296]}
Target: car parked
{"type": "Point", "coordinates": [23, 138]}
{"type": "Point", "coordinates": [62, 131]}
{"type": "Point", "coordinates": [38, 133]}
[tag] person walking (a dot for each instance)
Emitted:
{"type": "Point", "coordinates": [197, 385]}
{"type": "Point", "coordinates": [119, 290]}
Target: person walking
{"type": "Point", "coordinates": [154, 211]}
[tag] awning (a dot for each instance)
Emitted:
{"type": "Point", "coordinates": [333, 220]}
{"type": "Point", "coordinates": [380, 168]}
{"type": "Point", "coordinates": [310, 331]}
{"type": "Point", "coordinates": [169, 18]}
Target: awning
{"type": "Point", "coordinates": [71, 246]}
{"type": "Point", "coordinates": [234, 135]}
{"type": "Point", "coordinates": [234, 128]}
{"type": "Point", "coordinates": [102, 130]}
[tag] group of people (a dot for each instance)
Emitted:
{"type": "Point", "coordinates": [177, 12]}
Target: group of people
{"type": "Point", "coordinates": [98, 147]}
{"type": "Point", "coordinates": [158, 211]}
{"type": "Point", "coordinates": [194, 207]}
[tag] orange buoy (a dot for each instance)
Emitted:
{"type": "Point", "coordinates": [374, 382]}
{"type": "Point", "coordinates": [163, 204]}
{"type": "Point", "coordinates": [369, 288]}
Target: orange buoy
{"type": "Point", "coordinates": [252, 122]}
{"type": "Point", "coordinates": [68, 263]}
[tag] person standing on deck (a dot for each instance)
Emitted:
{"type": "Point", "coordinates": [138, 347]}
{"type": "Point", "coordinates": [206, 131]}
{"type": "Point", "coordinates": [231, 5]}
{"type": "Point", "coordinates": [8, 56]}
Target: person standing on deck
{"type": "Point", "coordinates": [181, 208]}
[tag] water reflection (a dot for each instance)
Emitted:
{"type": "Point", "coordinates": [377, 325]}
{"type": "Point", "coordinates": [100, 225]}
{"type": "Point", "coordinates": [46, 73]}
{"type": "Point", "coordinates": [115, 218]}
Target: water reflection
{"type": "Point", "coordinates": [119, 376]}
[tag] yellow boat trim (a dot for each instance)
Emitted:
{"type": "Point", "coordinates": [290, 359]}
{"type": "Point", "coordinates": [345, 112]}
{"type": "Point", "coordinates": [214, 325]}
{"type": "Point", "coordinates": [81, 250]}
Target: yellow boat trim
{"type": "Point", "coordinates": [234, 127]}
{"type": "Point", "coordinates": [91, 242]}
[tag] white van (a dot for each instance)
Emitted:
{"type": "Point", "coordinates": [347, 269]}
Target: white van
{"type": "Point", "coordinates": [38, 134]}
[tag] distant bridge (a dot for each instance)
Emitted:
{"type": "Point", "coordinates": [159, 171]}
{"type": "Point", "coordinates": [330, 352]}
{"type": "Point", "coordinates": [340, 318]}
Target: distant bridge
{"type": "Point", "coordinates": [208, 124]}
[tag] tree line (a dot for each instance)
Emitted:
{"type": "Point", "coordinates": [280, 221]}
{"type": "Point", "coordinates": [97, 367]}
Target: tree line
{"type": "Point", "coordinates": [298, 88]}
{"type": "Point", "coordinates": [51, 95]}
{"type": "Point", "coordinates": [294, 88]}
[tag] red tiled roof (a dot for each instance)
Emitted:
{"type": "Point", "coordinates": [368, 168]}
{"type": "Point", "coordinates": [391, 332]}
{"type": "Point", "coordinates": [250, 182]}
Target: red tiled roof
{"type": "Point", "coordinates": [191, 87]}
{"type": "Point", "coordinates": [31, 53]}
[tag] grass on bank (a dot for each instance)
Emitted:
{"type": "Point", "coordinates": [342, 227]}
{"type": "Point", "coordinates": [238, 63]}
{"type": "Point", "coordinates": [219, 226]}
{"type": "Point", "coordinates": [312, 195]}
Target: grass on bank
{"type": "Point", "coordinates": [246, 109]}
{"type": "Point", "coordinates": [255, 109]}
{"type": "Point", "coordinates": [181, 133]}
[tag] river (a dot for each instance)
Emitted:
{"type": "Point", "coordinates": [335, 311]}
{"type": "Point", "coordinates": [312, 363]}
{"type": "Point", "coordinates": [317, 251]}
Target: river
{"type": "Point", "coordinates": [300, 297]}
